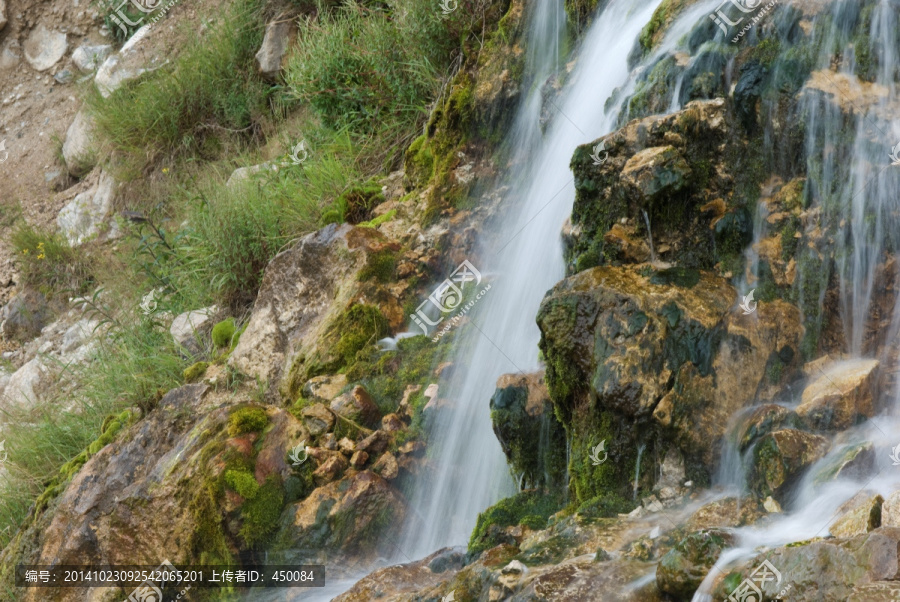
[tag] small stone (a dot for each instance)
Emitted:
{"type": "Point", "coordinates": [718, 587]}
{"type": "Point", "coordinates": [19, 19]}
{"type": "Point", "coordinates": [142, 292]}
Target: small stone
{"type": "Point", "coordinates": [346, 446]}
{"type": "Point", "coordinates": [771, 505]}
{"type": "Point", "coordinates": [64, 77]}
{"type": "Point", "coordinates": [44, 48]}
{"type": "Point", "coordinates": [602, 555]}
{"type": "Point", "coordinates": [358, 406]}
{"type": "Point", "coordinates": [359, 459]}
{"type": "Point", "coordinates": [88, 58]}
{"type": "Point", "coordinates": [391, 423]}
{"type": "Point", "coordinates": [318, 419]}
{"type": "Point", "coordinates": [387, 467]}
{"type": "Point", "coordinates": [666, 493]}
{"type": "Point", "coordinates": [515, 567]}
{"type": "Point", "coordinates": [329, 442]}
{"type": "Point", "coordinates": [412, 447]}
{"type": "Point", "coordinates": [271, 56]}
{"type": "Point", "coordinates": [375, 443]}
{"type": "Point", "coordinates": [331, 470]}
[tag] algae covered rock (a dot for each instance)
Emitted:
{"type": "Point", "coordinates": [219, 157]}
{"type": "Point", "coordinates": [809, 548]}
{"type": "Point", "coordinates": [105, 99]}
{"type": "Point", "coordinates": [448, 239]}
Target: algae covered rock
{"type": "Point", "coordinates": [841, 395]}
{"type": "Point", "coordinates": [532, 438]}
{"type": "Point", "coordinates": [684, 567]}
{"type": "Point", "coordinates": [780, 458]}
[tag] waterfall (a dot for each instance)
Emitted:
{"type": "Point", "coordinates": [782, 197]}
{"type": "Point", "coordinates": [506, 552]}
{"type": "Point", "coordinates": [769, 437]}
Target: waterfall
{"type": "Point", "coordinates": [649, 237]}
{"type": "Point", "coordinates": [470, 471]}
{"type": "Point", "coordinates": [637, 468]}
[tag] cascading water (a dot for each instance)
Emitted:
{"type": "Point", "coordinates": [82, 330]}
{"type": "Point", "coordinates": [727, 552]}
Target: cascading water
{"type": "Point", "coordinates": [471, 472]}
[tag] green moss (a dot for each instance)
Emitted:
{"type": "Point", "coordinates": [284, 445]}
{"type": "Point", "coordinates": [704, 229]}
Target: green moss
{"type": "Point", "coordinates": [683, 277]}
{"type": "Point", "coordinates": [260, 514]}
{"type": "Point", "coordinates": [357, 202]}
{"type": "Point", "coordinates": [242, 482]}
{"type": "Point", "coordinates": [359, 327]}
{"type": "Point", "coordinates": [419, 162]}
{"type": "Point", "coordinates": [579, 13]}
{"type": "Point", "coordinates": [530, 505]}
{"type": "Point", "coordinates": [604, 506]}
{"type": "Point", "coordinates": [208, 544]}
{"type": "Point", "coordinates": [379, 267]}
{"type": "Point", "coordinates": [384, 217]}
{"type": "Point", "coordinates": [223, 332]}
{"type": "Point", "coordinates": [194, 371]}
{"type": "Point", "coordinates": [247, 419]}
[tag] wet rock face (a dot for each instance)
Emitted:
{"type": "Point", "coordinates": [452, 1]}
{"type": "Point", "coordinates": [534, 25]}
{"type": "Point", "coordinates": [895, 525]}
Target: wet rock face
{"type": "Point", "coordinates": [669, 167]}
{"type": "Point", "coordinates": [833, 569]}
{"type": "Point", "coordinates": [684, 567]}
{"type": "Point", "coordinates": [840, 396]}
{"type": "Point", "coordinates": [628, 347]}
{"type": "Point", "coordinates": [780, 458]}
{"type": "Point", "coordinates": [532, 438]}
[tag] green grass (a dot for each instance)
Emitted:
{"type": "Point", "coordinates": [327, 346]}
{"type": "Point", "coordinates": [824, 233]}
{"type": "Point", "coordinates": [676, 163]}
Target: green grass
{"type": "Point", "coordinates": [206, 98]}
{"type": "Point", "coordinates": [47, 261]}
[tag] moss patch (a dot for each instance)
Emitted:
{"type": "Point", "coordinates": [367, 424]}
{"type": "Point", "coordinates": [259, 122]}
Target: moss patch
{"type": "Point", "coordinates": [247, 419]}
{"type": "Point", "coordinates": [223, 332]}
{"type": "Point", "coordinates": [532, 506]}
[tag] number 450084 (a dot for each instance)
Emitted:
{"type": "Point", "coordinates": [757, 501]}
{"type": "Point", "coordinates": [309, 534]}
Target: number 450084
{"type": "Point", "coordinates": [291, 576]}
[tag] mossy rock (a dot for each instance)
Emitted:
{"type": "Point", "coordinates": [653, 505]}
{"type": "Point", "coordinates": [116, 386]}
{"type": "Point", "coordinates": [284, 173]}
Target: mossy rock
{"type": "Point", "coordinates": [247, 419]}
{"type": "Point", "coordinates": [194, 371]}
{"type": "Point", "coordinates": [683, 568]}
{"type": "Point", "coordinates": [530, 505]}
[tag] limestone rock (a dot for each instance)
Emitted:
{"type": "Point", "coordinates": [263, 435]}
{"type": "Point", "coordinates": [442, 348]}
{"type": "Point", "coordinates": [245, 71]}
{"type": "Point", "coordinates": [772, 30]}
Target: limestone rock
{"type": "Point", "coordinates": [3, 20]}
{"type": "Point", "coordinates": [890, 510]}
{"type": "Point", "coordinates": [44, 48]}
{"type": "Point", "coordinates": [853, 461]}
{"type": "Point", "coordinates": [324, 388]}
{"type": "Point", "coordinates": [358, 406]}
{"type": "Point", "coordinates": [185, 327]}
{"type": "Point", "coordinates": [858, 515]}
{"type": "Point", "coordinates": [655, 172]}
{"type": "Point", "coordinates": [347, 446]}
{"type": "Point", "coordinates": [331, 469]}
{"type": "Point", "coordinates": [77, 149]}
{"type": "Point", "coordinates": [24, 316]}
{"type": "Point", "coordinates": [242, 174]}
{"type": "Point", "coordinates": [375, 443]}
{"type": "Point", "coordinates": [386, 466]}
{"type": "Point", "coordinates": [88, 57]}
{"type": "Point", "coordinates": [347, 514]}
{"type": "Point", "coordinates": [318, 419]}
{"type": "Point", "coordinates": [273, 52]}
{"type": "Point", "coordinates": [682, 569]}
{"type": "Point", "coordinates": [836, 566]}
{"type": "Point", "coordinates": [781, 457]}
{"type": "Point", "coordinates": [391, 423]}
{"type": "Point", "coordinates": [131, 62]}
{"type": "Point", "coordinates": [761, 420]}
{"type": "Point", "coordinates": [404, 581]}
{"type": "Point", "coordinates": [80, 220]}
{"type": "Point", "coordinates": [841, 396]}
{"type": "Point", "coordinates": [727, 512]}
{"type": "Point", "coordinates": [26, 385]}
{"type": "Point", "coordinates": [359, 459]}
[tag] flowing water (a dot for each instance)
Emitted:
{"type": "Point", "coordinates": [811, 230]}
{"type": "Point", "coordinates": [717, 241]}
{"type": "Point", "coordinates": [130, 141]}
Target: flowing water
{"type": "Point", "coordinates": [526, 255]}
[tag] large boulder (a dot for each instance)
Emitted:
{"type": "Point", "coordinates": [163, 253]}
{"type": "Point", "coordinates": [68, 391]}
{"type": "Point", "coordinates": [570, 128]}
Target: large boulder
{"type": "Point", "coordinates": [780, 458]}
{"type": "Point", "coordinates": [44, 48]}
{"type": "Point", "coordinates": [25, 315]}
{"type": "Point", "coordinates": [195, 481]}
{"type": "Point", "coordinates": [831, 569]}
{"type": "Point", "coordinates": [298, 325]}
{"type": "Point", "coordinates": [347, 515]}
{"type": "Point", "coordinates": [77, 149]}
{"type": "Point", "coordinates": [626, 346]}
{"type": "Point", "coordinates": [841, 395]}
{"type": "Point", "coordinates": [81, 219]}
{"type": "Point", "coordinates": [530, 435]}
{"type": "Point", "coordinates": [273, 53]}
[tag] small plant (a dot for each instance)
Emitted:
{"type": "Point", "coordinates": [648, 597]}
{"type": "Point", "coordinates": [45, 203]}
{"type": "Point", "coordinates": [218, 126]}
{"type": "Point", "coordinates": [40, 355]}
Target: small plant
{"type": "Point", "coordinates": [48, 262]}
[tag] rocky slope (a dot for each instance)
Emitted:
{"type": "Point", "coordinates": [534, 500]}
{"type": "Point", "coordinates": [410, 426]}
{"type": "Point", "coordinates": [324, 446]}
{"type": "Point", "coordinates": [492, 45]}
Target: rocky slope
{"type": "Point", "coordinates": [296, 435]}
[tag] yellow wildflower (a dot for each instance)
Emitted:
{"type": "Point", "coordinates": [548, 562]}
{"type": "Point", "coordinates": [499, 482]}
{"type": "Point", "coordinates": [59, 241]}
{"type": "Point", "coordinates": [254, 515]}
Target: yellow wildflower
{"type": "Point", "coordinates": [24, 251]}
{"type": "Point", "coordinates": [41, 256]}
